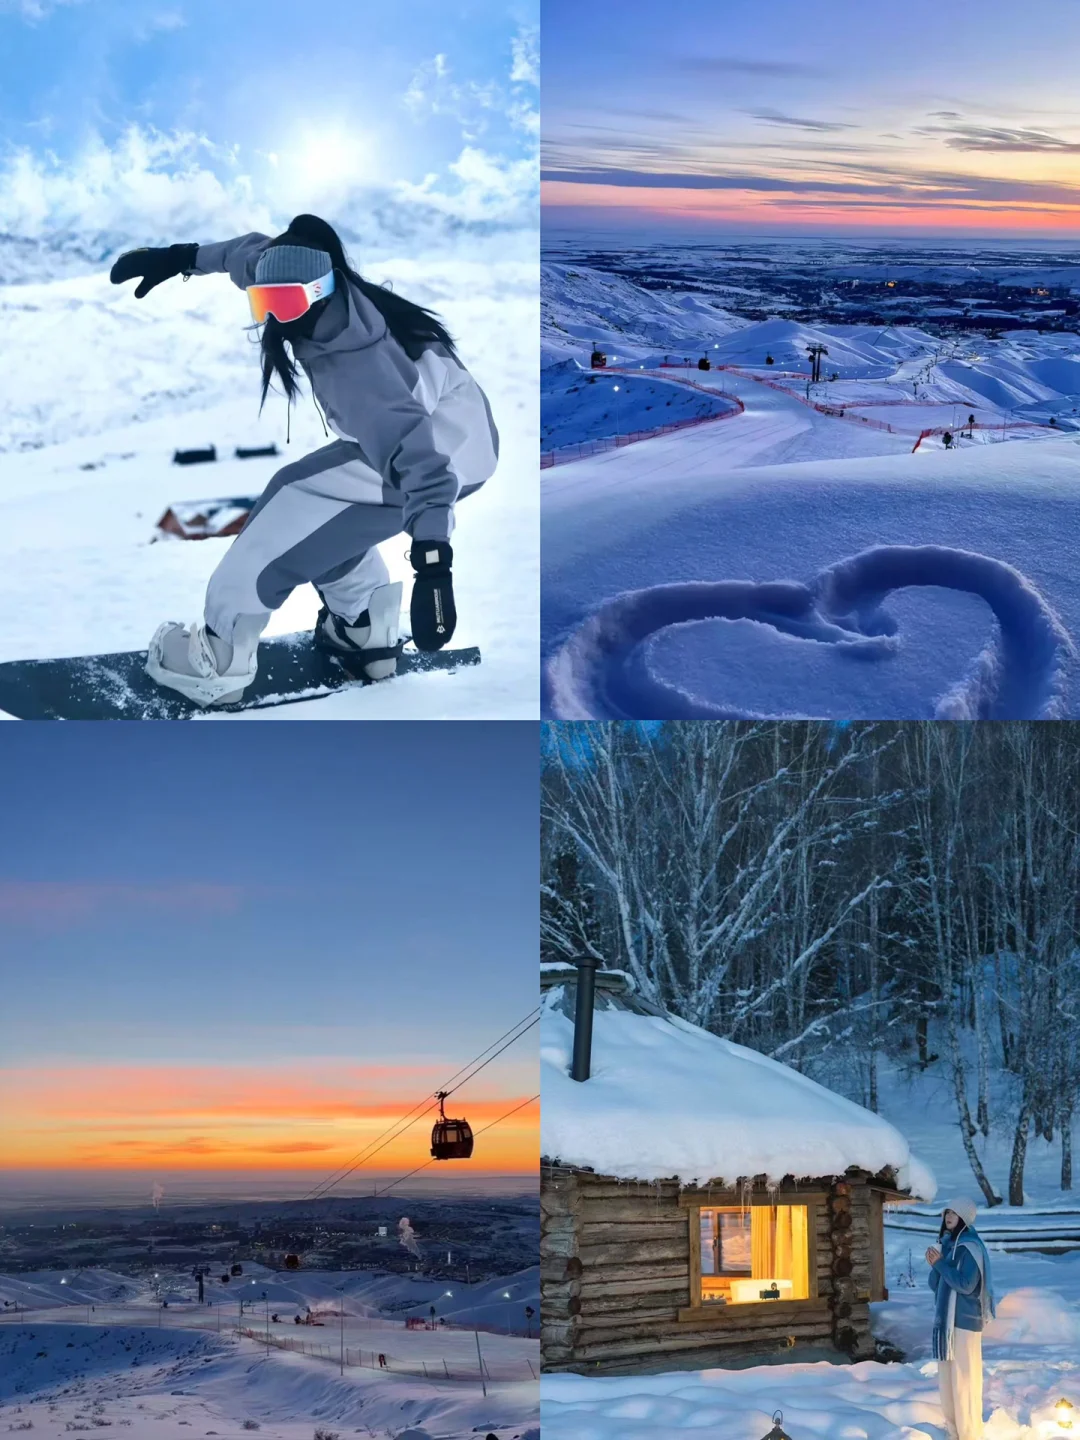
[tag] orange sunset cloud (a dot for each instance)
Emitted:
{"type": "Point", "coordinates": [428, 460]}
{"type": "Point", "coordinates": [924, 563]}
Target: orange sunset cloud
{"type": "Point", "coordinates": [189, 1117]}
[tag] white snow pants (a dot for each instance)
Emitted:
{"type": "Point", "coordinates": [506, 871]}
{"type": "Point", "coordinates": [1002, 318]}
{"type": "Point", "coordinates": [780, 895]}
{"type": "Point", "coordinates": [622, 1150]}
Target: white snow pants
{"type": "Point", "coordinates": [318, 521]}
{"type": "Point", "coordinates": [960, 1381]}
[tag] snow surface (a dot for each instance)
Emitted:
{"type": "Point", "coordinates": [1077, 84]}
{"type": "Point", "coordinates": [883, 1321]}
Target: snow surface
{"type": "Point", "coordinates": [668, 1099]}
{"type": "Point", "coordinates": [57, 1378]}
{"type": "Point", "coordinates": [108, 386]}
{"type": "Point", "coordinates": [694, 575]}
{"type": "Point", "coordinates": [578, 404]}
{"type": "Point", "coordinates": [497, 1304]}
{"type": "Point", "coordinates": [129, 1362]}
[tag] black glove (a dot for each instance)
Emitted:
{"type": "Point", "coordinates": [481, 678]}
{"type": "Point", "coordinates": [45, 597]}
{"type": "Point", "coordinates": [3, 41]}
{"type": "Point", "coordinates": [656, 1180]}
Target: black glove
{"type": "Point", "coordinates": [432, 609]}
{"type": "Point", "coordinates": [154, 266]}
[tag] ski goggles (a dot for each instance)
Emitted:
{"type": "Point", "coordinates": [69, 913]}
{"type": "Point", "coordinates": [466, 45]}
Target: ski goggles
{"type": "Point", "coordinates": [288, 302]}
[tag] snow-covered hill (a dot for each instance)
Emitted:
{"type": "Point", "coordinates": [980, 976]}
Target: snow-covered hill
{"type": "Point", "coordinates": [580, 405]}
{"type": "Point", "coordinates": [56, 1378]}
{"type": "Point", "coordinates": [580, 306]}
{"type": "Point", "coordinates": [497, 1305]}
{"type": "Point", "coordinates": [107, 387]}
{"type": "Point", "coordinates": [128, 1360]}
{"type": "Point", "coordinates": [659, 558]}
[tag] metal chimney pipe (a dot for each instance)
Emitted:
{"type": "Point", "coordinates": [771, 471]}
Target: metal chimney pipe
{"type": "Point", "coordinates": [583, 1018]}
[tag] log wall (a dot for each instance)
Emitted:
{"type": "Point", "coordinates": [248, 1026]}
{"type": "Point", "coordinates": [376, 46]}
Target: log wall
{"type": "Point", "coordinates": [615, 1272]}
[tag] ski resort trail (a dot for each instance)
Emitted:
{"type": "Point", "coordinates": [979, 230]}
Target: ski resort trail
{"type": "Point", "coordinates": [660, 473]}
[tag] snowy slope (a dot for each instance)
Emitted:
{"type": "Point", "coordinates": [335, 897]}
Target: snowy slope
{"type": "Point", "coordinates": [782, 493]}
{"type": "Point", "coordinates": [57, 1378]}
{"type": "Point", "coordinates": [107, 387]}
{"type": "Point", "coordinates": [39, 1289]}
{"type": "Point", "coordinates": [580, 306]}
{"type": "Point", "coordinates": [668, 1099]}
{"type": "Point", "coordinates": [497, 1304]}
{"type": "Point", "coordinates": [578, 405]}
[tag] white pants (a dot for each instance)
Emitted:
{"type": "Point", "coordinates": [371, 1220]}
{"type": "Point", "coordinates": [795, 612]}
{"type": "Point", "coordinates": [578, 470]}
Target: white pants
{"type": "Point", "coordinates": [960, 1381]}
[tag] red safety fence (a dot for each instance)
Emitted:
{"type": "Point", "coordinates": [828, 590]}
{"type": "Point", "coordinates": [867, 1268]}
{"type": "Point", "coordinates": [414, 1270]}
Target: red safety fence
{"type": "Point", "coordinates": [563, 454]}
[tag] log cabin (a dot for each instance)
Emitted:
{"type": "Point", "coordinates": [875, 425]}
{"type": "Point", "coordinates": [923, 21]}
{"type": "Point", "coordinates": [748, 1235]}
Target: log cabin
{"type": "Point", "coordinates": [701, 1204]}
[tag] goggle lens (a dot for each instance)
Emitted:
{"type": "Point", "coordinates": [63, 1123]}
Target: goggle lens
{"type": "Point", "coordinates": [287, 302]}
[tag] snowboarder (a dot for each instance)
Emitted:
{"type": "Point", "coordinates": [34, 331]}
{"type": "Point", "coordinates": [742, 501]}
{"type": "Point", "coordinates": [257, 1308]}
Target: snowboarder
{"type": "Point", "coordinates": [963, 1304]}
{"type": "Point", "coordinates": [382, 1362]}
{"type": "Point", "coordinates": [415, 435]}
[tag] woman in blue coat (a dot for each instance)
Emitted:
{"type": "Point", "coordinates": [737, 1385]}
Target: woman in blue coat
{"type": "Point", "coordinates": [963, 1304]}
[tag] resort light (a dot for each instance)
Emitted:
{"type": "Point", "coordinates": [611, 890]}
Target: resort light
{"type": "Point", "coordinates": [1063, 1413]}
{"type": "Point", "coordinates": [777, 1431]}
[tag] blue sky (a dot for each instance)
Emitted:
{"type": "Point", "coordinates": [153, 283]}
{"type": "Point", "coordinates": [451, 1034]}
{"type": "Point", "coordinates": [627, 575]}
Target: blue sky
{"type": "Point", "coordinates": [276, 103]}
{"type": "Point", "coordinates": [259, 893]}
{"type": "Point", "coordinates": [937, 116]}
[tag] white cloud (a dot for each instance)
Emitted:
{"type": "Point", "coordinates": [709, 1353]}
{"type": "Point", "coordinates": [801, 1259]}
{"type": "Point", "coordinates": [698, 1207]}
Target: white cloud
{"type": "Point", "coordinates": [32, 9]}
{"type": "Point", "coordinates": [161, 23]}
{"type": "Point", "coordinates": [526, 50]}
{"type": "Point", "coordinates": [154, 188]}
{"type": "Point", "coordinates": [433, 91]}
{"type": "Point", "coordinates": [147, 184]}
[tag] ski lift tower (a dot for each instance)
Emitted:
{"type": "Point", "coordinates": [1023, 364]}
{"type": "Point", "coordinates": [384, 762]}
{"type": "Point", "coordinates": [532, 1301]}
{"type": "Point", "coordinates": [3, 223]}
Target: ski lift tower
{"type": "Point", "coordinates": [816, 352]}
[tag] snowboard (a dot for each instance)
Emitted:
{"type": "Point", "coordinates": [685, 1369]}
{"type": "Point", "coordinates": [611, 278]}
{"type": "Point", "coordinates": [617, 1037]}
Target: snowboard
{"type": "Point", "coordinates": [117, 687]}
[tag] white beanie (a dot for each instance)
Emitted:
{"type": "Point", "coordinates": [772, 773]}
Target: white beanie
{"type": "Point", "coordinates": [964, 1207]}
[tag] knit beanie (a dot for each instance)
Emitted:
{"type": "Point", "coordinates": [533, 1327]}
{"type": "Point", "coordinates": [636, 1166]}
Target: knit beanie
{"type": "Point", "coordinates": [291, 265]}
{"type": "Point", "coordinates": [963, 1207]}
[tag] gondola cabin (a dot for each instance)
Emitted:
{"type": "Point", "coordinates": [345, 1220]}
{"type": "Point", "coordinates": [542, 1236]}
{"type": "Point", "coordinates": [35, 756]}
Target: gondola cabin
{"type": "Point", "coordinates": [236, 1270]}
{"type": "Point", "coordinates": [598, 359]}
{"type": "Point", "coordinates": [701, 1204]}
{"type": "Point", "coordinates": [704, 363]}
{"type": "Point", "coordinates": [450, 1139]}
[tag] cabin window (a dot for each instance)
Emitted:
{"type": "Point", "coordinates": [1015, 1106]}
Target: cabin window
{"type": "Point", "coordinates": [754, 1254]}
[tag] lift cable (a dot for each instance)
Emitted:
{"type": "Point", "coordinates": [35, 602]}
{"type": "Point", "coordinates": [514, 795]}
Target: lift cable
{"type": "Point", "coordinates": [325, 1188]}
{"type": "Point", "coordinates": [410, 1118]}
{"type": "Point", "coordinates": [478, 1132]}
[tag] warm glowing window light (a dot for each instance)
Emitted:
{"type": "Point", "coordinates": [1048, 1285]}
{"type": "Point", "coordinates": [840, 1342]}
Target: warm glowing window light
{"type": "Point", "coordinates": [753, 1255]}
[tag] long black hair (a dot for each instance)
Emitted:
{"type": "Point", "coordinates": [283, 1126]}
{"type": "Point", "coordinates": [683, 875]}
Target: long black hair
{"type": "Point", "coordinates": [413, 327]}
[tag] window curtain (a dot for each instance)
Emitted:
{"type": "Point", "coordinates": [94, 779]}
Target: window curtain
{"type": "Point", "coordinates": [762, 1249]}
{"type": "Point", "coordinates": [793, 1248]}
{"type": "Point", "coordinates": [779, 1245]}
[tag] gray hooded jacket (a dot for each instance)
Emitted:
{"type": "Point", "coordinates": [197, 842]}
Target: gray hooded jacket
{"type": "Point", "coordinates": [424, 425]}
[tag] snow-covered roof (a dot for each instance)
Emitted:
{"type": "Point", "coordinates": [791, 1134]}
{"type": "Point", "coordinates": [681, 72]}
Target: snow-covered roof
{"type": "Point", "coordinates": [668, 1099]}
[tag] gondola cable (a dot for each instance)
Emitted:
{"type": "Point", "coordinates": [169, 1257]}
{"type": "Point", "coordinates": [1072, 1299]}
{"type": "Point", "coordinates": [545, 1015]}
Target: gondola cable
{"type": "Point", "coordinates": [410, 1118]}
{"type": "Point", "coordinates": [478, 1132]}
{"type": "Point", "coordinates": [324, 1189]}
{"type": "Point", "coordinates": [425, 1105]}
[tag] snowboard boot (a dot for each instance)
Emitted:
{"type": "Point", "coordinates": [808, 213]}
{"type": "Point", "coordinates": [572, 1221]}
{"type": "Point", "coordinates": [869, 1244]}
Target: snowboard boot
{"type": "Point", "coordinates": [367, 646]}
{"type": "Point", "coordinates": [200, 665]}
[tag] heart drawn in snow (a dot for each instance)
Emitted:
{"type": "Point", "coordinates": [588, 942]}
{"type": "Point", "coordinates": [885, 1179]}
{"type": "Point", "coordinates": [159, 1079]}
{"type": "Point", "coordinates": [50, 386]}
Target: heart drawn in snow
{"type": "Point", "coordinates": [605, 670]}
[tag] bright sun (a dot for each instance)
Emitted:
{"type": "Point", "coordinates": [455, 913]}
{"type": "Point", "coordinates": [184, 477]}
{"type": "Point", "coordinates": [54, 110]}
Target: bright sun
{"type": "Point", "coordinates": [327, 159]}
